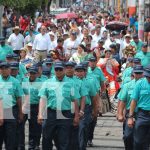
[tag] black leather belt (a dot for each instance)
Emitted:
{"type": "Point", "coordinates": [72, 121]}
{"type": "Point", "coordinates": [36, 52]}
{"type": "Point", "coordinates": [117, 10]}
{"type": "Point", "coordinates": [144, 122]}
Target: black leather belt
{"type": "Point", "coordinates": [145, 111]}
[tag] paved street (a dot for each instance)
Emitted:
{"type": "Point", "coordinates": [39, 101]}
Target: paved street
{"type": "Point", "coordinates": [108, 134]}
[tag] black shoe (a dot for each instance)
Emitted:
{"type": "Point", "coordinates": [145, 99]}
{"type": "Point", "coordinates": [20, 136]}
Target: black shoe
{"type": "Point", "coordinates": [90, 143]}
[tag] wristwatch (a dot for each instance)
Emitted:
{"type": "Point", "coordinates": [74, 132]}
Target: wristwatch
{"type": "Point", "coordinates": [82, 112]}
{"type": "Point", "coordinates": [131, 116]}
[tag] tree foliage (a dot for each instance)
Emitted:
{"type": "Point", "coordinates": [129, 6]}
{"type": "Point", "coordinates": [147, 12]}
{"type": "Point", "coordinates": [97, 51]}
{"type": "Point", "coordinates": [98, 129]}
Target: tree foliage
{"type": "Point", "coordinates": [27, 6]}
{"type": "Point", "coordinates": [22, 6]}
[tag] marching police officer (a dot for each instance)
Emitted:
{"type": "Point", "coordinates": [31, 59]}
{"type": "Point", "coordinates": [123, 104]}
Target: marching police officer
{"type": "Point", "coordinates": [141, 100]}
{"type": "Point", "coordinates": [144, 55]}
{"type": "Point", "coordinates": [39, 74]}
{"type": "Point", "coordinates": [127, 72]}
{"type": "Point", "coordinates": [49, 64]}
{"type": "Point", "coordinates": [90, 101]}
{"type": "Point", "coordinates": [4, 49]}
{"type": "Point", "coordinates": [14, 58]}
{"type": "Point", "coordinates": [96, 72]}
{"type": "Point", "coordinates": [125, 100]}
{"type": "Point", "coordinates": [69, 71]}
{"type": "Point", "coordinates": [14, 66]}
{"type": "Point", "coordinates": [59, 92]}
{"type": "Point", "coordinates": [12, 107]}
{"type": "Point", "coordinates": [46, 72]}
{"type": "Point", "coordinates": [31, 87]}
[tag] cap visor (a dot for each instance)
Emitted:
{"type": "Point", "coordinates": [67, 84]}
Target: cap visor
{"type": "Point", "coordinates": [146, 74]}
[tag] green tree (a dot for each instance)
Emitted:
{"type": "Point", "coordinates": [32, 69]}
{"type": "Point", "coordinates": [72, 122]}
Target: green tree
{"type": "Point", "coordinates": [22, 6]}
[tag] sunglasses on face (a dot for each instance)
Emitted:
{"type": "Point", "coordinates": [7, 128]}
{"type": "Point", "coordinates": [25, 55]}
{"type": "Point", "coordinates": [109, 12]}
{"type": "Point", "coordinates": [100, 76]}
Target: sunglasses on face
{"type": "Point", "coordinates": [58, 69]}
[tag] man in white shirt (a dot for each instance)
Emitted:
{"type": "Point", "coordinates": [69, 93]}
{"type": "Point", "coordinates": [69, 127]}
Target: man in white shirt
{"type": "Point", "coordinates": [71, 44]}
{"type": "Point", "coordinates": [53, 40]}
{"type": "Point", "coordinates": [97, 35]}
{"type": "Point", "coordinates": [16, 40]}
{"type": "Point", "coordinates": [41, 45]}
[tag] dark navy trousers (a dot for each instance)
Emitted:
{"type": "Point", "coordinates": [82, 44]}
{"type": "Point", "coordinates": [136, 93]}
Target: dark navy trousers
{"type": "Point", "coordinates": [58, 128]}
{"type": "Point", "coordinates": [35, 130]}
{"type": "Point", "coordinates": [142, 131]}
{"type": "Point", "coordinates": [8, 130]}
{"type": "Point", "coordinates": [84, 127]}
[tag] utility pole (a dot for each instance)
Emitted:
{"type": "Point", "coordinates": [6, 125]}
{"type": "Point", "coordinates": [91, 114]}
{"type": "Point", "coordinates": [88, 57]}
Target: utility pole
{"type": "Point", "coordinates": [141, 19]}
{"type": "Point", "coordinates": [1, 13]}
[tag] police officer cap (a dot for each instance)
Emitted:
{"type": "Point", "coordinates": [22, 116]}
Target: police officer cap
{"type": "Point", "coordinates": [147, 71]}
{"type": "Point", "coordinates": [48, 61]}
{"type": "Point", "coordinates": [15, 56]}
{"type": "Point", "coordinates": [4, 64]}
{"type": "Point", "coordinates": [2, 39]}
{"type": "Point", "coordinates": [136, 60]}
{"type": "Point", "coordinates": [92, 59]}
{"type": "Point", "coordinates": [113, 45]}
{"type": "Point", "coordinates": [130, 59]}
{"type": "Point", "coordinates": [49, 56]}
{"type": "Point", "coordinates": [45, 71]}
{"type": "Point", "coordinates": [39, 64]}
{"type": "Point", "coordinates": [70, 63]}
{"type": "Point", "coordinates": [135, 36]}
{"type": "Point", "coordinates": [79, 67]}
{"type": "Point", "coordinates": [101, 41]}
{"type": "Point", "coordinates": [9, 56]}
{"type": "Point", "coordinates": [59, 64]}
{"type": "Point", "coordinates": [138, 69]}
{"type": "Point", "coordinates": [14, 65]}
{"type": "Point", "coordinates": [145, 45]}
{"type": "Point", "coordinates": [85, 64]}
{"type": "Point", "coordinates": [33, 69]}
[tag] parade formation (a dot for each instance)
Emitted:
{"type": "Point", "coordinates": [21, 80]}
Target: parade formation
{"type": "Point", "coordinates": [62, 72]}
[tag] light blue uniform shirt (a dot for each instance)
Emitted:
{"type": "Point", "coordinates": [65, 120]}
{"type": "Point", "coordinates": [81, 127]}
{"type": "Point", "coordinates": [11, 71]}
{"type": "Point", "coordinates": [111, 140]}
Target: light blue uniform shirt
{"type": "Point", "coordinates": [141, 94]}
{"type": "Point", "coordinates": [10, 89]}
{"type": "Point", "coordinates": [145, 58]}
{"type": "Point", "coordinates": [59, 94]}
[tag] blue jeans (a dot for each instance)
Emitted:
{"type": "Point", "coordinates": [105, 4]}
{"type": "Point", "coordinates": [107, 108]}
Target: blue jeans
{"type": "Point", "coordinates": [56, 127]}
{"type": "Point", "coordinates": [142, 131]}
{"type": "Point", "coordinates": [35, 129]}
{"type": "Point", "coordinates": [84, 127]}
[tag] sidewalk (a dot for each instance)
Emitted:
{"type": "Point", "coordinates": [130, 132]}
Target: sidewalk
{"type": "Point", "coordinates": [108, 134]}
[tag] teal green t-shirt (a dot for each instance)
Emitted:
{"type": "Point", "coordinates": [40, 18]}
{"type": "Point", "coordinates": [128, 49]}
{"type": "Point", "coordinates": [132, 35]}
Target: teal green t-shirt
{"type": "Point", "coordinates": [145, 58]}
{"type": "Point", "coordinates": [126, 93]}
{"type": "Point", "coordinates": [11, 90]}
{"type": "Point", "coordinates": [80, 86]}
{"type": "Point", "coordinates": [43, 78]}
{"type": "Point", "coordinates": [4, 50]}
{"type": "Point", "coordinates": [22, 70]}
{"type": "Point", "coordinates": [19, 78]}
{"type": "Point", "coordinates": [127, 73]}
{"type": "Point", "coordinates": [138, 45]}
{"type": "Point", "coordinates": [32, 89]}
{"type": "Point", "coordinates": [91, 89]}
{"type": "Point", "coordinates": [141, 94]}
{"type": "Point", "coordinates": [98, 73]}
{"type": "Point", "coordinates": [59, 94]}
{"type": "Point", "coordinates": [94, 80]}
